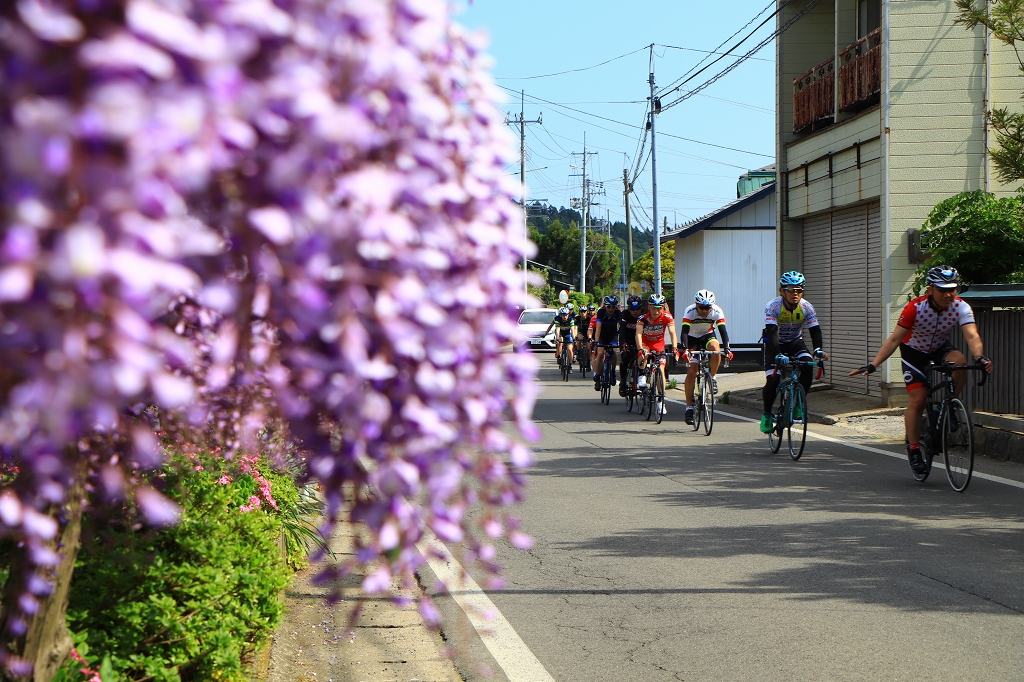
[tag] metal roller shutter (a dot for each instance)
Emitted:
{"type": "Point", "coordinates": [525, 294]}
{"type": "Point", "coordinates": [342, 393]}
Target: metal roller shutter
{"type": "Point", "coordinates": [817, 268]}
{"type": "Point", "coordinates": [876, 330]}
{"type": "Point", "coordinates": [849, 319]}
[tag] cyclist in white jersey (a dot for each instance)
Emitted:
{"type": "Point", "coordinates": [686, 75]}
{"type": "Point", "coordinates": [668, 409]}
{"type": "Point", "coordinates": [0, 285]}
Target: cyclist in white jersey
{"type": "Point", "coordinates": [699, 323]}
{"type": "Point", "coordinates": [922, 336]}
{"type": "Point", "coordinates": [784, 320]}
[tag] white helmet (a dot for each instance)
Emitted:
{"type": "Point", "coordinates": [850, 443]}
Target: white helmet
{"type": "Point", "coordinates": [705, 297]}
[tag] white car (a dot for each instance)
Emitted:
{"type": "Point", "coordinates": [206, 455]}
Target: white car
{"type": "Point", "coordinates": [532, 323]}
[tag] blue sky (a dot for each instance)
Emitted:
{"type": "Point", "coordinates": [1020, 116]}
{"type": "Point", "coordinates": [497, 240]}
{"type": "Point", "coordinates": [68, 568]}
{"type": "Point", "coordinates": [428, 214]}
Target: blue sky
{"type": "Point", "coordinates": [539, 37]}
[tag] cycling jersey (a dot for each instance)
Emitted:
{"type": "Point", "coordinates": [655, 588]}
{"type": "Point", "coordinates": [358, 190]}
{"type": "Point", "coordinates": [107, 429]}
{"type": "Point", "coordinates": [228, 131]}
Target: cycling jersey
{"type": "Point", "coordinates": [702, 324]}
{"type": "Point", "coordinates": [627, 330]}
{"type": "Point", "coordinates": [654, 329]}
{"type": "Point", "coordinates": [927, 329]}
{"type": "Point", "coordinates": [790, 322]}
{"type": "Point", "coordinates": [565, 325]}
{"type": "Point", "coordinates": [609, 325]}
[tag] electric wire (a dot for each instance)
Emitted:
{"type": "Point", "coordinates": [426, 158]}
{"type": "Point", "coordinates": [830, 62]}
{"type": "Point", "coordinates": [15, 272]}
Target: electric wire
{"type": "Point", "coordinates": [561, 73]}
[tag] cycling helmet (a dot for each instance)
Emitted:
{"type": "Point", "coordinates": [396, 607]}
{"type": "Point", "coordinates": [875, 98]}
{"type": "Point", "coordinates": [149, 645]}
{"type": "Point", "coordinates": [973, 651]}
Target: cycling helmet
{"type": "Point", "coordinates": [791, 278]}
{"type": "Point", "coordinates": [943, 277]}
{"type": "Point", "coordinates": [570, 307]}
{"type": "Point", "coordinates": [563, 311]}
{"type": "Point", "coordinates": [611, 300]}
{"type": "Point", "coordinates": [634, 303]}
{"type": "Point", "coordinates": [591, 307]}
{"type": "Point", "coordinates": [705, 297]}
{"type": "Point", "coordinates": [656, 299]}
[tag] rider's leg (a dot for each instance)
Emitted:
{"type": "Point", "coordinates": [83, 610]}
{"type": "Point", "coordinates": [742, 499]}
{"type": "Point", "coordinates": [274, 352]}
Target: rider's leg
{"type": "Point", "coordinates": [716, 360]}
{"type": "Point", "coordinates": [571, 353]}
{"type": "Point", "coordinates": [916, 399]}
{"type": "Point", "coordinates": [691, 380]}
{"type": "Point", "coordinates": [598, 364]}
{"type": "Point", "coordinates": [771, 385]}
{"type": "Point", "coordinates": [959, 378]}
{"type": "Point", "coordinates": [558, 347]}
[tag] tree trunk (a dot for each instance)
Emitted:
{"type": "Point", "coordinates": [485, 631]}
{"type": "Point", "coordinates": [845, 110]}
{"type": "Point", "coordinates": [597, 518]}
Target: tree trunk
{"type": "Point", "coordinates": [46, 643]}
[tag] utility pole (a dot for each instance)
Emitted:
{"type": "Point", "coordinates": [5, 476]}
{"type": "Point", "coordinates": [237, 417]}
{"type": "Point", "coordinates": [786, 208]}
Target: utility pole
{"type": "Point", "coordinates": [627, 189]}
{"type": "Point", "coordinates": [521, 121]}
{"type": "Point", "coordinates": [584, 206]}
{"type": "Point", "coordinates": [655, 109]}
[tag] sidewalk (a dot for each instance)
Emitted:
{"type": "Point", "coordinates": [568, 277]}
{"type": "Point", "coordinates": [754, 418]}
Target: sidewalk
{"type": "Point", "coordinates": [315, 644]}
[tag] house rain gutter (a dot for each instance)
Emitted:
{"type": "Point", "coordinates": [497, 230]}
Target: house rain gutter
{"type": "Point", "coordinates": [887, 253]}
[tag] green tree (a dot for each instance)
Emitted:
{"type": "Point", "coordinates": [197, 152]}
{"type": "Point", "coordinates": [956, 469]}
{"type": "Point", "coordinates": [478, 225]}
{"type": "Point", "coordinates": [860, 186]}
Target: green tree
{"type": "Point", "coordinates": [979, 234]}
{"type": "Point", "coordinates": [544, 293]}
{"type": "Point", "coordinates": [643, 269]}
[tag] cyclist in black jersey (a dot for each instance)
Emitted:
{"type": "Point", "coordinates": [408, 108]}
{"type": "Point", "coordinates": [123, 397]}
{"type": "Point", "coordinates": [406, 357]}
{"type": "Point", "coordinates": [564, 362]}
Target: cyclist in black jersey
{"type": "Point", "coordinates": [606, 333]}
{"type": "Point", "coordinates": [627, 338]}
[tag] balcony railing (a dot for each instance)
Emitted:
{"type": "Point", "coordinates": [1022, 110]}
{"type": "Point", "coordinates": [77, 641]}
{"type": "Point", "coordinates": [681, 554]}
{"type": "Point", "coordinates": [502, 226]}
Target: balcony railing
{"type": "Point", "coordinates": [860, 72]}
{"type": "Point", "coordinates": [859, 82]}
{"type": "Point", "coordinates": [814, 95]}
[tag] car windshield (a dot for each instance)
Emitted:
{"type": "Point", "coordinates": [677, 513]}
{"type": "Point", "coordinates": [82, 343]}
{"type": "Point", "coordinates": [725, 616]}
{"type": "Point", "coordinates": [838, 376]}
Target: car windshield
{"type": "Point", "coordinates": [535, 317]}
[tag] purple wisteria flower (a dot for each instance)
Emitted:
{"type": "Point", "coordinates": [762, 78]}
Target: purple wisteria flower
{"type": "Point", "coordinates": [249, 213]}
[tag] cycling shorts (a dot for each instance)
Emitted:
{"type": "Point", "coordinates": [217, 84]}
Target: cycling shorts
{"type": "Point", "coordinates": [609, 344]}
{"type": "Point", "coordinates": [795, 349]}
{"type": "Point", "coordinates": [699, 343]}
{"type": "Point", "coordinates": [915, 364]}
{"type": "Point", "coordinates": [567, 338]}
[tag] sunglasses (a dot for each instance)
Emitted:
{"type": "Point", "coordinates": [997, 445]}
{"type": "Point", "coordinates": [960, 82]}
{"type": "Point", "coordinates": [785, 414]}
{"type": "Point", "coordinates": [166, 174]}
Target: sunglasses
{"type": "Point", "coordinates": [656, 307]}
{"type": "Point", "coordinates": [794, 290]}
{"type": "Point", "coordinates": [703, 307]}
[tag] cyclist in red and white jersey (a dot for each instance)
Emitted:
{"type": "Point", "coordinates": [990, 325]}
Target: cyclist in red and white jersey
{"type": "Point", "coordinates": [651, 330]}
{"type": "Point", "coordinates": [922, 336]}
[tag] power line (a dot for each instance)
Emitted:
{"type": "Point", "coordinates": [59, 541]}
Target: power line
{"type": "Point", "coordinates": [561, 73]}
{"type": "Point", "coordinates": [775, 34]}
{"type": "Point", "coordinates": [636, 127]}
{"type": "Point", "coordinates": [692, 49]}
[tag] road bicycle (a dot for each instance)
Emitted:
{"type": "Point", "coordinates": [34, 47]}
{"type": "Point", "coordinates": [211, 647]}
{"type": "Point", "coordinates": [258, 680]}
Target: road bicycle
{"type": "Point", "coordinates": [653, 395]}
{"type": "Point", "coordinates": [632, 378]}
{"type": "Point", "coordinates": [608, 373]}
{"type": "Point", "coordinates": [583, 357]}
{"type": "Point", "coordinates": [563, 360]}
{"type": "Point", "coordinates": [946, 424]}
{"type": "Point", "coordinates": [789, 409]}
{"type": "Point", "coordinates": [704, 390]}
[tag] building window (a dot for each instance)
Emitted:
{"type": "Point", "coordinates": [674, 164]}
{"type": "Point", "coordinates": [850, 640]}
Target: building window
{"type": "Point", "coordinates": [869, 16]}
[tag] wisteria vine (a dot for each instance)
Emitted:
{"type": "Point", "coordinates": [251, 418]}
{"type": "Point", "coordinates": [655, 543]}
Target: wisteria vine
{"type": "Point", "coordinates": [317, 186]}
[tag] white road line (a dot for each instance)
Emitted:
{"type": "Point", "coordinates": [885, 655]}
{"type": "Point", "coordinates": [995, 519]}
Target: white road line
{"type": "Point", "coordinates": [866, 448]}
{"type": "Point", "coordinates": [508, 649]}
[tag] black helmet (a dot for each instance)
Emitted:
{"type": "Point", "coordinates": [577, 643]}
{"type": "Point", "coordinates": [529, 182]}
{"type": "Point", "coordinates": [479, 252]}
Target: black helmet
{"type": "Point", "coordinates": [611, 300]}
{"type": "Point", "coordinates": [944, 277]}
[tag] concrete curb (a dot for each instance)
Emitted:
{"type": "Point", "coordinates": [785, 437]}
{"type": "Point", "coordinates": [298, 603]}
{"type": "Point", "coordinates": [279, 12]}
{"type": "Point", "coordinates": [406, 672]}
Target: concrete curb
{"type": "Point", "coordinates": [731, 399]}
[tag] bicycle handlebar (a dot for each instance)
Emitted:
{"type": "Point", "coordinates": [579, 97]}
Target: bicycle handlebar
{"type": "Point", "coordinates": [949, 368]}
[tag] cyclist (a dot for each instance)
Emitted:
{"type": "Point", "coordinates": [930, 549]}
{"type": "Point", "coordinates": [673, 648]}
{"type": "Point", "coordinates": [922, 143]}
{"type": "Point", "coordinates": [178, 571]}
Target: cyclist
{"type": "Point", "coordinates": [651, 329]}
{"type": "Point", "coordinates": [606, 330]}
{"type": "Point", "coordinates": [784, 320]}
{"type": "Point", "coordinates": [582, 324]}
{"type": "Point", "coordinates": [627, 338]}
{"type": "Point", "coordinates": [566, 326]}
{"type": "Point", "coordinates": [699, 323]}
{"type": "Point", "coordinates": [922, 336]}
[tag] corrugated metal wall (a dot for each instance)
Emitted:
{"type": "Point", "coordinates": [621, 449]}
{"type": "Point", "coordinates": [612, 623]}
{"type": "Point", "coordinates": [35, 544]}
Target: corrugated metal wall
{"type": "Point", "coordinates": [1001, 331]}
{"type": "Point", "coordinates": [841, 256]}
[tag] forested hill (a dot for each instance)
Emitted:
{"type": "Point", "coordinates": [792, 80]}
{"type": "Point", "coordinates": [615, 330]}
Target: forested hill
{"type": "Point", "coordinates": [542, 216]}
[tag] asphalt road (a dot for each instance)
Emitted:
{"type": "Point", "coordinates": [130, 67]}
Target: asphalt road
{"type": "Point", "coordinates": [662, 554]}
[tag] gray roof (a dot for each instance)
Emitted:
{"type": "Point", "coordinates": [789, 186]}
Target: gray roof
{"type": "Point", "coordinates": [699, 224]}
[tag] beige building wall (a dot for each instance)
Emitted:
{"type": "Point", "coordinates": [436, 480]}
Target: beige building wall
{"type": "Point", "coordinates": [937, 125]}
{"type": "Point", "coordinates": [1006, 88]}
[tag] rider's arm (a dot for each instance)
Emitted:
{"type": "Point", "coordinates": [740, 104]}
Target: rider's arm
{"type": "Point", "coordinates": [973, 339]}
{"type": "Point", "coordinates": [673, 336]}
{"type": "Point", "coordinates": [817, 338]}
{"type": "Point", "coordinates": [889, 347]}
{"type": "Point", "coordinates": [640, 336]}
{"type": "Point", "coordinates": [549, 327]}
{"type": "Point", "coordinates": [597, 330]}
{"type": "Point", "coordinates": [684, 328]}
{"type": "Point", "coordinates": [771, 335]}
{"type": "Point", "coordinates": [725, 336]}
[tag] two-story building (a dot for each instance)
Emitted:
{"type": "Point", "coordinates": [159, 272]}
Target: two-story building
{"type": "Point", "coordinates": [881, 113]}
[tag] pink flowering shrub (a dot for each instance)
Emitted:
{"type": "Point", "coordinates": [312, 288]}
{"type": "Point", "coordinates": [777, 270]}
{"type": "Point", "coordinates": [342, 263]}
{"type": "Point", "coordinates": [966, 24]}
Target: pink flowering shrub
{"type": "Point", "coordinates": [277, 222]}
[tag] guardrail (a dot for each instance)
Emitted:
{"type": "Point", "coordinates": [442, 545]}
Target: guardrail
{"type": "Point", "coordinates": [860, 72]}
{"type": "Point", "coordinates": [814, 97]}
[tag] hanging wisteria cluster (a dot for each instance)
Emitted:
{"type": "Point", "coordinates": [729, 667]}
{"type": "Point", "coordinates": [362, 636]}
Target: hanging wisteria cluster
{"type": "Point", "coordinates": [319, 186]}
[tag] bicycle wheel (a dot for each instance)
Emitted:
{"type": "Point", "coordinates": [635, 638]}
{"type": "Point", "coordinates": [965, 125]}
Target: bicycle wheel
{"type": "Point", "coordinates": [650, 395]}
{"type": "Point", "coordinates": [707, 405]}
{"type": "Point", "coordinates": [799, 407]}
{"type": "Point", "coordinates": [659, 397]}
{"type": "Point", "coordinates": [779, 412]}
{"type": "Point", "coordinates": [698, 401]}
{"type": "Point", "coordinates": [631, 387]}
{"type": "Point", "coordinates": [957, 444]}
{"type": "Point", "coordinates": [563, 362]}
